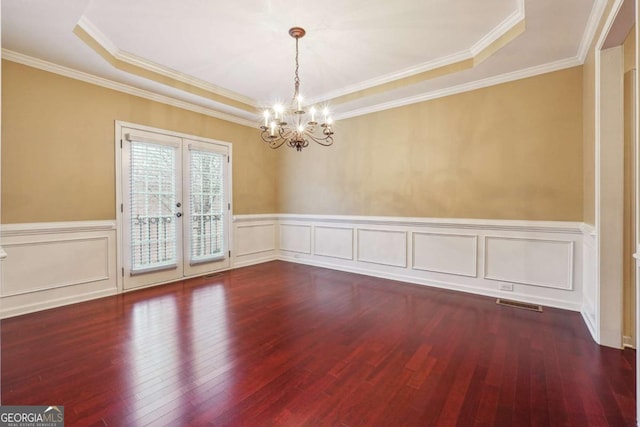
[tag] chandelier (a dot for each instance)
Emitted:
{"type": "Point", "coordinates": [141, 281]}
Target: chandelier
{"type": "Point", "coordinates": [289, 125]}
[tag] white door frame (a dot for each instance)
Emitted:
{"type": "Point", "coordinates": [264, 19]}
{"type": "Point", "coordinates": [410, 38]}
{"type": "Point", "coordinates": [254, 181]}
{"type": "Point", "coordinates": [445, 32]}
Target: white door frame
{"type": "Point", "coordinates": [602, 284]}
{"type": "Point", "coordinates": [120, 201]}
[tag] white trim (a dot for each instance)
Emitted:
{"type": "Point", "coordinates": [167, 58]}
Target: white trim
{"type": "Point", "coordinates": [391, 77]}
{"type": "Point", "coordinates": [403, 264]}
{"type": "Point", "coordinates": [427, 233]}
{"type": "Point", "coordinates": [327, 227]}
{"type": "Point", "coordinates": [27, 229]}
{"type": "Point", "coordinates": [465, 87]}
{"type": "Point", "coordinates": [185, 139]}
{"type": "Point", "coordinates": [569, 267]}
{"type": "Point", "coordinates": [97, 35]}
{"type": "Point", "coordinates": [257, 251]}
{"type": "Point", "coordinates": [628, 342]}
{"type": "Point", "coordinates": [588, 229]}
{"type": "Point", "coordinates": [495, 33]}
{"type": "Point", "coordinates": [58, 302]}
{"type": "Point", "coordinates": [509, 22]}
{"type": "Point", "coordinates": [255, 217]}
{"type": "Point", "coordinates": [487, 224]}
{"type": "Point", "coordinates": [3, 254]}
{"type": "Point", "coordinates": [86, 280]}
{"type": "Point", "coordinates": [590, 30]}
{"type": "Point", "coordinates": [121, 87]}
{"type": "Point", "coordinates": [610, 19]}
{"type": "Point", "coordinates": [137, 61]}
{"type": "Point", "coordinates": [548, 302]}
{"type": "Point", "coordinates": [254, 261]}
{"type": "Point", "coordinates": [567, 232]}
{"type": "Point", "coordinates": [546, 230]}
{"type": "Point", "coordinates": [591, 325]}
{"type": "Point", "coordinates": [307, 228]}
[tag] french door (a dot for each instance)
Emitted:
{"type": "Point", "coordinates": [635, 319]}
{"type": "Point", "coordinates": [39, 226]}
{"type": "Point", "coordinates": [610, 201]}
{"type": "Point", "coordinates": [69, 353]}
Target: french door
{"type": "Point", "coordinates": [175, 207]}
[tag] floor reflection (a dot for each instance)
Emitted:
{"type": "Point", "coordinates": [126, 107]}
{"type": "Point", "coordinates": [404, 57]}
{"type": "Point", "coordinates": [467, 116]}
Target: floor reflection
{"type": "Point", "coordinates": [155, 358]}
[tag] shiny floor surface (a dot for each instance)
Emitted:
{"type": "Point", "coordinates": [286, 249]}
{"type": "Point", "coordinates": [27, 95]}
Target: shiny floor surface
{"type": "Point", "coordinates": [281, 344]}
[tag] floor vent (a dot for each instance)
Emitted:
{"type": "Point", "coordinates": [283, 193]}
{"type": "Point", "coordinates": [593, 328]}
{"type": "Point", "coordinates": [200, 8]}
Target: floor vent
{"type": "Point", "coordinates": [518, 304]}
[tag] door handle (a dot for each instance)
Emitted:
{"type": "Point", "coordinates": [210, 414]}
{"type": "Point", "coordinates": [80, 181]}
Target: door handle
{"type": "Point", "coordinates": [179, 214]}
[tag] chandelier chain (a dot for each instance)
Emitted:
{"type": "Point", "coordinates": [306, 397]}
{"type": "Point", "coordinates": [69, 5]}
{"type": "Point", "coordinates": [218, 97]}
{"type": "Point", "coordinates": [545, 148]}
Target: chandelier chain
{"type": "Point", "coordinates": [297, 79]}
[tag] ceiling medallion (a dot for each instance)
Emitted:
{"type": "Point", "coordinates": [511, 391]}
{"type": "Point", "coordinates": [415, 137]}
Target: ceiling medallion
{"type": "Point", "coordinates": [289, 125]}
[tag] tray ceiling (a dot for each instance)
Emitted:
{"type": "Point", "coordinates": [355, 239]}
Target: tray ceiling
{"type": "Point", "coordinates": [358, 56]}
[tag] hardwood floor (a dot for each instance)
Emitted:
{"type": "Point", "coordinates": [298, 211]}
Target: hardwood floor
{"type": "Point", "coordinates": [281, 344]}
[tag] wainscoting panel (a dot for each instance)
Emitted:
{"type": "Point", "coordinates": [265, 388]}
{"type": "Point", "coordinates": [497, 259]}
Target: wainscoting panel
{"type": "Point", "coordinates": [295, 238]}
{"type": "Point", "coordinates": [528, 261]}
{"type": "Point", "coordinates": [35, 266]}
{"type": "Point", "coordinates": [543, 262]}
{"type": "Point", "coordinates": [386, 247]}
{"type": "Point", "coordinates": [254, 239]}
{"type": "Point", "coordinates": [334, 242]}
{"type": "Point", "coordinates": [446, 253]}
{"type": "Point", "coordinates": [53, 264]}
{"type": "Point", "coordinates": [540, 261]}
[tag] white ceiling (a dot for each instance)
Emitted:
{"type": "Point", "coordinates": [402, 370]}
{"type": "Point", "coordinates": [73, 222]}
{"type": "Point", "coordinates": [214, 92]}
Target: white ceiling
{"type": "Point", "coordinates": [242, 50]}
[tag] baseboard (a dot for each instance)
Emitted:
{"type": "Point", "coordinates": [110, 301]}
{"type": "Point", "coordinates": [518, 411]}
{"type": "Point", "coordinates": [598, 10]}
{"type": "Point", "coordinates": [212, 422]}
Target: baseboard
{"type": "Point", "coordinates": [253, 261]}
{"type": "Point", "coordinates": [53, 303]}
{"type": "Point", "coordinates": [547, 302]}
{"type": "Point", "coordinates": [628, 342]}
{"type": "Point", "coordinates": [590, 325]}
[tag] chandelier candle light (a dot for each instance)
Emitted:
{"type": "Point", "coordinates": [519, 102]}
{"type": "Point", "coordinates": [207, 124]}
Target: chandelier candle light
{"type": "Point", "coordinates": [277, 130]}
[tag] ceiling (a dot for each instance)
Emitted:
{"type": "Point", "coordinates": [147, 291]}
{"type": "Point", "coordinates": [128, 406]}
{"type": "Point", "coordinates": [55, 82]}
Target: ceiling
{"type": "Point", "coordinates": [228, 59]}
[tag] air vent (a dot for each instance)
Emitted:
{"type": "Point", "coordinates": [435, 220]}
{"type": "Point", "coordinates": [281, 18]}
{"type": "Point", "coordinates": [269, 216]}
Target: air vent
{"type": "Point", "coordinates": [518, 304]}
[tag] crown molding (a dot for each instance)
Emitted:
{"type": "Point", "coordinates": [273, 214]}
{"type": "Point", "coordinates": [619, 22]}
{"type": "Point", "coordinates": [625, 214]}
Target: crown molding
{"type": "Point", "coordinates": [391, 77]}
{"type": "Point", "coordinates": [120, 87]}
{"type": "Point", "coordinates": [595, 17]}
{"type": "Point", "coordinates": [137, 61]}
{"type": "Point", "coordinates": [485, 42]}
{"type": "Point", "coordinates": [465, 87]}
{"type": "Point", "coordinates": [509, 22]}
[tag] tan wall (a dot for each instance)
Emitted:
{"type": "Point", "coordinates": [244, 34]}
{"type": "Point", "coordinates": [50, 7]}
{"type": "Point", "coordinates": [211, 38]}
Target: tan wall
{"type": "Point", "coordinates": [511, 151]}
{"type": "Point", "coordinates": [58, 148]}
{"type": "Point", "coordinates": [589, 139]}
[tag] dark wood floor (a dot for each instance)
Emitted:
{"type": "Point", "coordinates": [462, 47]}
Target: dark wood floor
{"type": "Point", "coordinates": [281, 344]}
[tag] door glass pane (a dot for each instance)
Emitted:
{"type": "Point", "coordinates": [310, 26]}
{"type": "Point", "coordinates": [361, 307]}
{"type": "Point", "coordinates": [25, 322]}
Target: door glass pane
{"type": "Point", "coordinates": [207, 205]}
{"type": "Point", "coordinates": [153, 202]}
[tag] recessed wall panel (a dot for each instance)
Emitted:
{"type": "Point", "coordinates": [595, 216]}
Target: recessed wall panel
{"type": "Point", "coordinates": [386, 247]}
{"type": "Point", "coordinates": [42, 265]}
{"type": "Point", "coordinates": [335, 242]}
{"type": "Point", "coordinates": [537, 262]}
{"type": "Point", "coordinates": [295, 238]}
{"type": "Point", "coordinates": [253, 239]}
{"type": "Point", "coordinates": [445, 253]}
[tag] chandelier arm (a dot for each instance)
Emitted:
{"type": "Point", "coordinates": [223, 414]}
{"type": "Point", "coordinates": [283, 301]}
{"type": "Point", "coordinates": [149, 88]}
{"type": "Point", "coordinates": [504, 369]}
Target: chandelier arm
{"type": "Point", "coordinates": [273, 142]}
{"type": "Point", "coordinates": [326, 141]}
{"type": "Point", "coordinates": [277, 143]}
